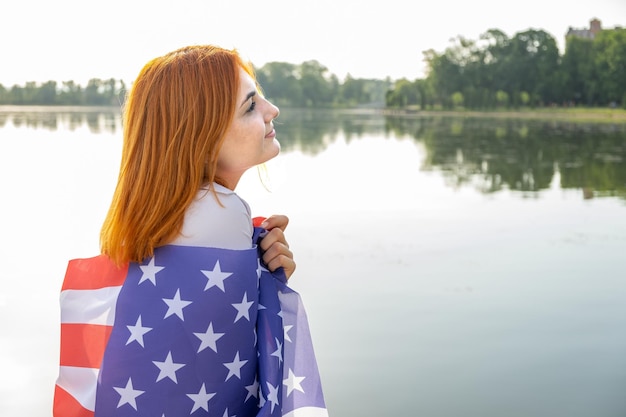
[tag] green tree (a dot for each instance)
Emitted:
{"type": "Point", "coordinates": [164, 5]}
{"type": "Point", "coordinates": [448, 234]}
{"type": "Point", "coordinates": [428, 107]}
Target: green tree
{"type": "Point", "coordinates": [457, 99]}
{"type": "Point", "coordinates": [534, 65]}
{"type": "Point", "coordinates": [578, 67]}
{"type": "Point", "coordinates": [4, 95]}
{"type": "Point", "coordinates": [353, 91]}
{"type": "Point", "coordinates": [443, 75]}
{"type": "Point", "coordinates": [404, 93]}
{"type": "Point", "coordinates": [71, 93]}
{"type": "Point", "coordinates": [318, 87]}
{"type": "Point", "coordinates": [279, 83]}
{"type": "Point", "coordinates": [502, 98]}
{"type": "Point", "coordinates": [610, 63]}
{"type": "Point", "coordinates": [92, 93]}
{"type": "Point", "coordinates": [47, 93]}
{"type": "Point", "coordinates": [496, 57]}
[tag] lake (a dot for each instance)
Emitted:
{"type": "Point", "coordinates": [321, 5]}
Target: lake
{"type": "Point", "coordinates": [449, 266]}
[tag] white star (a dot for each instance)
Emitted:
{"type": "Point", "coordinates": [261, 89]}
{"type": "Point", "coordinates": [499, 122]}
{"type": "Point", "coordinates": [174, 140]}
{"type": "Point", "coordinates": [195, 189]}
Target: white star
{"type": "Point", "coordinates": [175, 305]}
{"type": "Point", "coordinates": [216, 277]}
{"type": "Point", "coordinates": [279, 351]}
{"type": "Point", "coordinates": [292, 382]}
{"type": "Point", "coordinates": [286, 331]}
{"type": "Point", "coordinates": [201, 399]}
{"type": "Point", "coordinates": [234, 367]}
{"type": "Point", "coordinates": [243, 308]}
{"type": "Point", "coordinates": [208, 339]}
{"type": "Point", "coordinates": [226, 413]}
{"type": "Point", "coordinates": [150, 271]}
{"type": "Point", "coordinates": [253, 390]}
{"type": "Point", "coordinates": [136, 332]}
{"type": "Point", "coordinates": [272, 396]}
{"type": "Point", "coordinates": [128, 395]}
{"type": "Point", "coordinates": [259, 268]}
{"type": "Point", "coordinates": [168, 368]}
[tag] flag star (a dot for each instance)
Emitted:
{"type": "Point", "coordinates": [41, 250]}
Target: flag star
{"type": "Point", "coordinates": [272, 396]}
{"type": "Point", "coordinates": [243, 308]}
{"type": "Point", "coordinates": [149, 272]}
{"type": "Point", "coordinates": [168, 368]}
{"type": "Point", "coordinates": [216, 277]}
{"type": "Point", "coordinates": [201, 399]}
{"type": "Point", "coordinates": [208, 339]}
{"type": "Point", "coordinates": [253, 390]}
{"type": "Point", "coordinates": [175, 305]}
{"type": "Point", "coordinates": [286, 332]}
{"type": "Point", "coordinates": [128, 395]}
{"type": "Point", "coordinates": [234, 367]}
{"type": "Point", "coordinates": [226, 413]}
{"type": "Point", "coordinates": [136, 332]}
{"type": "Point", "coordinates": [292, 382]}
{"type": "Point", "coordinates": [279, 351]}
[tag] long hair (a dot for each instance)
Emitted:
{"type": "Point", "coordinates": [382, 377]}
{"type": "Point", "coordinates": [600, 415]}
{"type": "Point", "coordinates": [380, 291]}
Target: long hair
{"type": "Point", "coordinates": [175, 116]}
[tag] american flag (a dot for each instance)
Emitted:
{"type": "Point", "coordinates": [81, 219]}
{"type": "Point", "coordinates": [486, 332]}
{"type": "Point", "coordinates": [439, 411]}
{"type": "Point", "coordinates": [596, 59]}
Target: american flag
{"type": "Point", "coordinates": [191, 331]}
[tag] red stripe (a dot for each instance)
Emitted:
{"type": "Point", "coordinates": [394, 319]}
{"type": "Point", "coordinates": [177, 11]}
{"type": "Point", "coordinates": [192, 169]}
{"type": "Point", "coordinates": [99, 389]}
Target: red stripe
{"type": "Point", "coordinates": [256, 222]}
{"type": "Point", "coordinates": [93, 273]}
{"type": "Point", "coordinates": [83, 344]}
{"type": "Point", "coordinates": [66, 406]}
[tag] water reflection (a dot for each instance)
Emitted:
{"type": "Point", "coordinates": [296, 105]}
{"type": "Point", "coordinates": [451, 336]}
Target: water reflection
{"type": "Point", "coordinates": [522, 155]}
{"type": "Point", "coordinates": [96, 119]}
{"type": "Point", "coordinates": [489, 155]}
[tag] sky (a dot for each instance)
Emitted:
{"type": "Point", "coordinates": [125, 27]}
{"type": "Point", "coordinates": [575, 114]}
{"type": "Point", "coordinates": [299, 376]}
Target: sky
{"type": "Point", "coordinates": [77, 40]}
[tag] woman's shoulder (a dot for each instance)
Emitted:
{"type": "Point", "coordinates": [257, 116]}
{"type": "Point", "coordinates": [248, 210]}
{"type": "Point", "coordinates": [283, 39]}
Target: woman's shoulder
{"type": "Point", "coordinates": [218, 195]}
{"type": "Point", "coordinates": [217, 217]}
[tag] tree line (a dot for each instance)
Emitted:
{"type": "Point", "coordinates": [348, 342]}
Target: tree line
{"type": "Point", "coordinates": [494, 71]}
{"type": "Point", "coordinates": [97, 92]}
{"type": "Point", "coordinates": [307, 85]}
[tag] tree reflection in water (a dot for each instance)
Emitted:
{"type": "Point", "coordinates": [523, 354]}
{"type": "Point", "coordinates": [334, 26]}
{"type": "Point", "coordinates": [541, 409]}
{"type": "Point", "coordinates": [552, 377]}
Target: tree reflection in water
{"type": "Point", "coordinates": [487, 154]}
{"type": "Point", "coordinates": [97, 119]}
{"type": "Point", "coordinates": [523, 155]}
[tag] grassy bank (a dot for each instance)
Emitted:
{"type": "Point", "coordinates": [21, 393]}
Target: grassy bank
{"type": "Point", "coordinates": [578, 114]}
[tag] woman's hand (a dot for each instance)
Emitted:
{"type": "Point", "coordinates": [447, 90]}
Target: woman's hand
{"type": "Point", "coordinates": [275, 248]}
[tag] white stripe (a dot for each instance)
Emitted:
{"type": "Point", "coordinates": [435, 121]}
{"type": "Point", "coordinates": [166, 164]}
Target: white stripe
{"type": "Point", "coordinates": [89, 306]}
{"type": "Point", "coordinates": [308, 412]}
{"type": "Point", "coordinates": [80, 383]}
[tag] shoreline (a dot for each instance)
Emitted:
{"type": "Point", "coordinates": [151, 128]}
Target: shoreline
{"type": "Point", "coordinates": [573, 114]}
{"type": "Point", "coordinates": [580, 114]}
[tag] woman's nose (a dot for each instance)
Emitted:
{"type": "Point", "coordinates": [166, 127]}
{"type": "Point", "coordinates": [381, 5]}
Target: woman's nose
{"type": "Point", "coordinates": [273, 111]}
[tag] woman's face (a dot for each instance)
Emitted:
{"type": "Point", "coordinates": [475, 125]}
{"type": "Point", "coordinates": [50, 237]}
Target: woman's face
{"type": "Point", "coordinates": [250, 139]}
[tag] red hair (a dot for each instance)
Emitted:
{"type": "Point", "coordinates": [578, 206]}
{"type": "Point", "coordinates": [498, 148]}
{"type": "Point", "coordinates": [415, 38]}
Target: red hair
{"type": "Point", "coordinates": [174, 117]}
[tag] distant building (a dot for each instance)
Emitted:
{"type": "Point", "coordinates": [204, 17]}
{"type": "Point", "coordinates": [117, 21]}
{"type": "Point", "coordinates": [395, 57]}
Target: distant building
{"type": "Point", "coordinates": [595, 27]}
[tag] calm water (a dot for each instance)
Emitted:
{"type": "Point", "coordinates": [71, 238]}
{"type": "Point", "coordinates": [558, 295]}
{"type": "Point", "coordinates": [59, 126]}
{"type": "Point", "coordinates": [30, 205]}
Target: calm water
{"type": "Point", "coordinates": [450, 267]}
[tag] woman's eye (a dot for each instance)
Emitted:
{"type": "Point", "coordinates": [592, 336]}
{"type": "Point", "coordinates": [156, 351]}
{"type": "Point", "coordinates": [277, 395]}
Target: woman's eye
{"type": "Point", "coordinates": [252, 106]}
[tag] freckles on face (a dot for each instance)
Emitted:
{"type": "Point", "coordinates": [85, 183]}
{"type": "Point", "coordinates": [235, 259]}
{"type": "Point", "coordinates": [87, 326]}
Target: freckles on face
{"type": "Point", "coordinates": [250, 138]}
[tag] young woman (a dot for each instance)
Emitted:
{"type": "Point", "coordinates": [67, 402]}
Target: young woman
{"type": "Point", "coordinates": [194, 122]}
{"type": "Point", "coordinates": [186, 311]}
